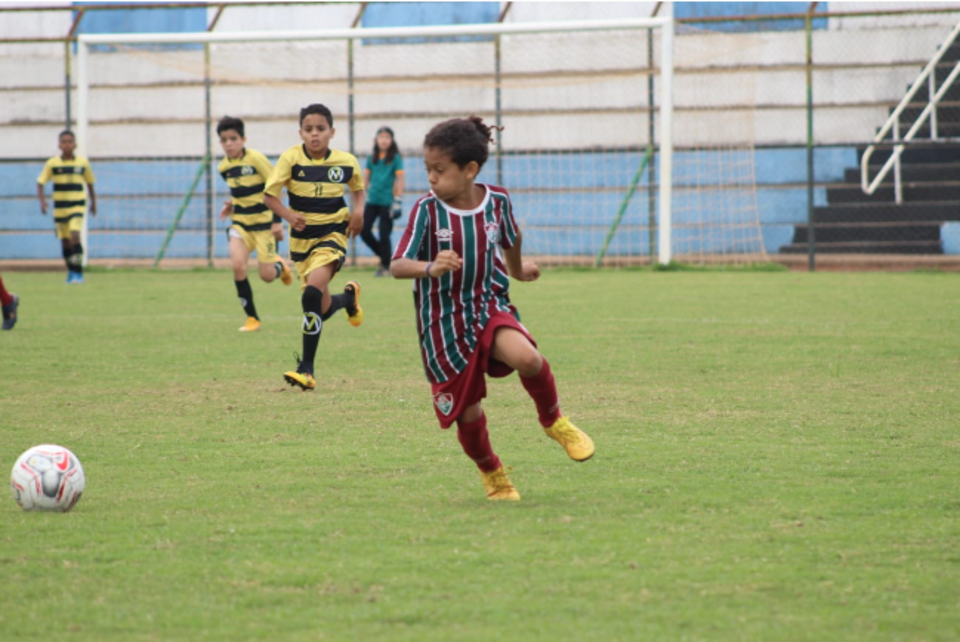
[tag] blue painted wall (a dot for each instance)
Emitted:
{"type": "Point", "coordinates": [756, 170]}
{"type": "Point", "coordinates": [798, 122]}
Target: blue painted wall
{"type": "Point", "coordinates": [690, 10]}
{"type": "Point", "coordinates": [548, 218]}
{"type": "Point", "coordinates": [176, 20]}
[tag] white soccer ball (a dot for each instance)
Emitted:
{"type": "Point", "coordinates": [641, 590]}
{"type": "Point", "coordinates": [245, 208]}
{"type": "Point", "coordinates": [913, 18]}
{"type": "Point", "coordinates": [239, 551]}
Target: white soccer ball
{"type": "Point", "coordinates": [47, 478]}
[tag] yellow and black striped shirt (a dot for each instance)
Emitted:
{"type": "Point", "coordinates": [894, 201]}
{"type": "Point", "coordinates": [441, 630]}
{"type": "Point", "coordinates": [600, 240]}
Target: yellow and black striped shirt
{"type": "Point", "coordinates": [317, 189]}
{"type": "Point", "coordinates": [247, 176]}
{"type": "Point", "coordinates": [69, 178]}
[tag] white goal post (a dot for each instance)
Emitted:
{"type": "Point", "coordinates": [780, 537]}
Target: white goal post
{"type": "Point", "coordinates": [576, 115]}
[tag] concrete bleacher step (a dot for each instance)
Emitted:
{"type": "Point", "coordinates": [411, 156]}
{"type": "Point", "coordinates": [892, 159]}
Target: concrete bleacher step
{"type": "Point", "coordinates": [947, 112]}
{"type": "Point", "coordinates": [888, 212]}
{"type": "Point", "coordinates": [869, 232]}
{"type": "Point", "coordinates": [945, 129]}
{"type": "Point", "coordinates": [911, 192]}
{"type": "Point", "coordinates": [930, 154]}
{"type": "Point", "coordinates": [885, 247]}
{"type": "Point", "coordinates": [914, 173]}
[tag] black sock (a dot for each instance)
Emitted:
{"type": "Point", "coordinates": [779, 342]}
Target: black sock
{"type": "Point", "coordinates": [337, 303]}
{"type": "Point", "coordinates": [76, 257]}
{"type": "Point", "coordinates": [246, 298]}
{"type": "Point", "coordinates": [312, 301]}
{"type": "Point", "coordinates": [279, 267]}
{"type": "Point", "coordinates": [68, 257]}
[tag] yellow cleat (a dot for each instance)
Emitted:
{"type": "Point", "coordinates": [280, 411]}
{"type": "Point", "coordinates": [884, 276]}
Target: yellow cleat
{"type": "Point", "coordinates": [356, 316]}
{"type": "Point", "coordinates": [303, 379]}
{"type": "Point", "coordinates": [498, 485]}
{"type": "Point", "coordinates": [577, 443]}
{"type": "Point", "coordinates": [286, 277]}
{"type": "Point", "coordinates": [252, 325]}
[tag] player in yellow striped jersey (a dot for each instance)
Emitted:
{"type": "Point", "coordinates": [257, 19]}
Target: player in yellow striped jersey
{"type": "Point", "coordinates": [317, 179]}
{"type": "Point", "coordinates": [253, 227]}
{"type": "Point", "coordinates": [69, 174]}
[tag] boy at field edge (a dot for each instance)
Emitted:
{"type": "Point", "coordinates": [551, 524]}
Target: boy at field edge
{"type": "Point", "coordinates": [69, 173]}
{"type": "Point", "coordinates": [466, 323]}
{"type": "Point", "coordinates": [253, 227]}
{"type": "Point", "coordinates": [317, 177]}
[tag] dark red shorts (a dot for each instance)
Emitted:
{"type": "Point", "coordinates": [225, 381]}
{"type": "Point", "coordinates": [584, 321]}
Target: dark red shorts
{"type": "Point", "coordinates": [455, 395]}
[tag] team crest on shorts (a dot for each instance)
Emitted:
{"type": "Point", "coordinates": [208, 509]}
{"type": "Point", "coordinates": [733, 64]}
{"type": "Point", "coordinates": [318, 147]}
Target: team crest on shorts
{"type": "Point", "coordinates": [444, 402]}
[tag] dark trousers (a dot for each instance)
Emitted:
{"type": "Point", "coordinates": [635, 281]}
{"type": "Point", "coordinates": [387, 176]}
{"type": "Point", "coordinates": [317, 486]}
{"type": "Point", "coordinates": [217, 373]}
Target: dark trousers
{"type": "Point", "coordinates": [381, 247]}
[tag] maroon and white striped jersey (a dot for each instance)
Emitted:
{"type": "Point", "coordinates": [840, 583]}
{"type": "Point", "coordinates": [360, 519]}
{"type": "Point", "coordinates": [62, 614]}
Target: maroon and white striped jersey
{"type": "Point", "coordinates": [453, 309]}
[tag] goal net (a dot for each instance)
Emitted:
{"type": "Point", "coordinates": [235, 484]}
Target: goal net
{"type": "Point", "coordinates": [585, 149]}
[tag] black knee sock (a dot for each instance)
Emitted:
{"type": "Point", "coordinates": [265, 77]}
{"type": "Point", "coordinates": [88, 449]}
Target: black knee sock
{"type": "Point", "coordinates": [337, 303]}
{"type": "Point", "coordinates": [246, 298]}
{"type": "Point", "coordinates": [312, 301]}
{"type": "Point", "coordinates": [68, 257]}
{"type": "Point", "coordinates": [278, 266]}
{"type": "Point", "coordinates": [76, 257]}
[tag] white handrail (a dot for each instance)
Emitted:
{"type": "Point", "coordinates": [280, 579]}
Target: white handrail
{"type": "Point", "coordinates": [894, 120]}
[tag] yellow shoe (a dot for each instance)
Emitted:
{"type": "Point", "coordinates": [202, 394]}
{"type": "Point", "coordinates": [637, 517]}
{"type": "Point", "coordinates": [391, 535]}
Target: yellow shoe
{"type": "Point", "coordinates": [252, 325]}
{"type": "Point", "coordinates": [498, 485]}
{"type": "Point", "coordinates": [577, 443]}
{"type": "Point", "coordinates": [356, 317]}
{"type": "Point", "coordinates": [303, 379]}
{"type": "Point", "coordinates": [286, 277]}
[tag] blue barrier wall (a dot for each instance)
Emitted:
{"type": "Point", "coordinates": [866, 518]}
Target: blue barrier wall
{"type": "Point", "coordinates": [586, 184]}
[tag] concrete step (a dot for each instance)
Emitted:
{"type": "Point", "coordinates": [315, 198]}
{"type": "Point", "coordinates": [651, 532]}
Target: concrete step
{"type": "Point", "coordinates": [892, 247]}
{"type": "Point", "coordinates": [869, 232]}
{"type": "Point", "coordinates": [913, 172]}
{"type": "Point", "coordinates": [888, 212]}
{"type": "Point", "coordinates": [911, 192]}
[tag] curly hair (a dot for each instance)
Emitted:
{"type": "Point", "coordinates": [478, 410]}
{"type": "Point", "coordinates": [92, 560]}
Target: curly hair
{"type": "Point", "coordinates": [463, 139]}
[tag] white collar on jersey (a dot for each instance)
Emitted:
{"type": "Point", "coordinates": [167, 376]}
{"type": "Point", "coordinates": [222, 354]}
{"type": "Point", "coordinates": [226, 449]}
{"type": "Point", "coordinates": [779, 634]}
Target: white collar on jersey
{"type": "Point", "coordinates": [479, 208]}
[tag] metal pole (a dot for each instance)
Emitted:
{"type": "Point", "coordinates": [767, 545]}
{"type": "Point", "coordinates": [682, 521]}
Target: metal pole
{"type": "Point", "coordinates": [66, 83]}
{"type": "Point", "coordinates": [351, 120]}
{"type": "Point", "coordinates": [499, 107]}
{"type": "Point", "coordinates": [208, 125]}
{"type": "Point", "coordinates": [665, 241]}
{"type": "Point", "coordinates": [811, 241]}
{"type": "Point", "coordinates": [83, 96]}
{"type": "Point", "coordinates": [651, 166]}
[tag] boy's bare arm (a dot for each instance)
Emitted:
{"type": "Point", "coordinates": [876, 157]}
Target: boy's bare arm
{"type": "Point", "coordinates": [355, 226]}
{"type": "Point", "coordinates": [518, 268]}
{"type": "Point", "coordinates": [43, 199]}
{"type": "Point", "coordinates": [93, 200]}
{"type": "Point", "coordinates": [296, 220]}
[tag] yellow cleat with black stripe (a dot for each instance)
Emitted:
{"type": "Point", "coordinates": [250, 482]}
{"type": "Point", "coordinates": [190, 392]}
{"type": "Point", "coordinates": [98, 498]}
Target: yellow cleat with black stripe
{"type": "Point", "coordinates": [577, 443]}
{"type": "Point", "coordinates": [286, 276]}
{"type": "Point", "coordinates": [304, 380]}
{"type": "Point", "coordinates": [498, 485]}
{"type": "Point", "coordinates": [355, 312]}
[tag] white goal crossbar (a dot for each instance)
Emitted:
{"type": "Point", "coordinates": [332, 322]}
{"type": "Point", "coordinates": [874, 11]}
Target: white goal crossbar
{"type": "Point", "coordinates": [665, 94]}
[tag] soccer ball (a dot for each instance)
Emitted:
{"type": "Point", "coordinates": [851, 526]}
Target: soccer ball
{"type": "Point", "coordinates": [47, 478]}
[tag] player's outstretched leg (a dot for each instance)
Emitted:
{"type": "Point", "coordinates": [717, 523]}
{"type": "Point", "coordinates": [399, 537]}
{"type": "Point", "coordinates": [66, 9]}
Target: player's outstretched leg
{"type": "Point", "coordinates": [245, 294]}
{"type": "Point", "coordinates": [577, 443]}
{"type": "Point", "coordinates": [354, 311]}
{"type": "Point", "coordinates": [10, 312]}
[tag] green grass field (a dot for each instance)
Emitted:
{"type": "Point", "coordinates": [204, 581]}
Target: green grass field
{"type": "Point", "coordinates": [778, 458]}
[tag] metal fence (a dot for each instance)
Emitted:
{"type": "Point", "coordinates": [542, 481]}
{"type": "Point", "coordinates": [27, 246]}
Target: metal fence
{"type": "Point", "coordinates": [814, 89]}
